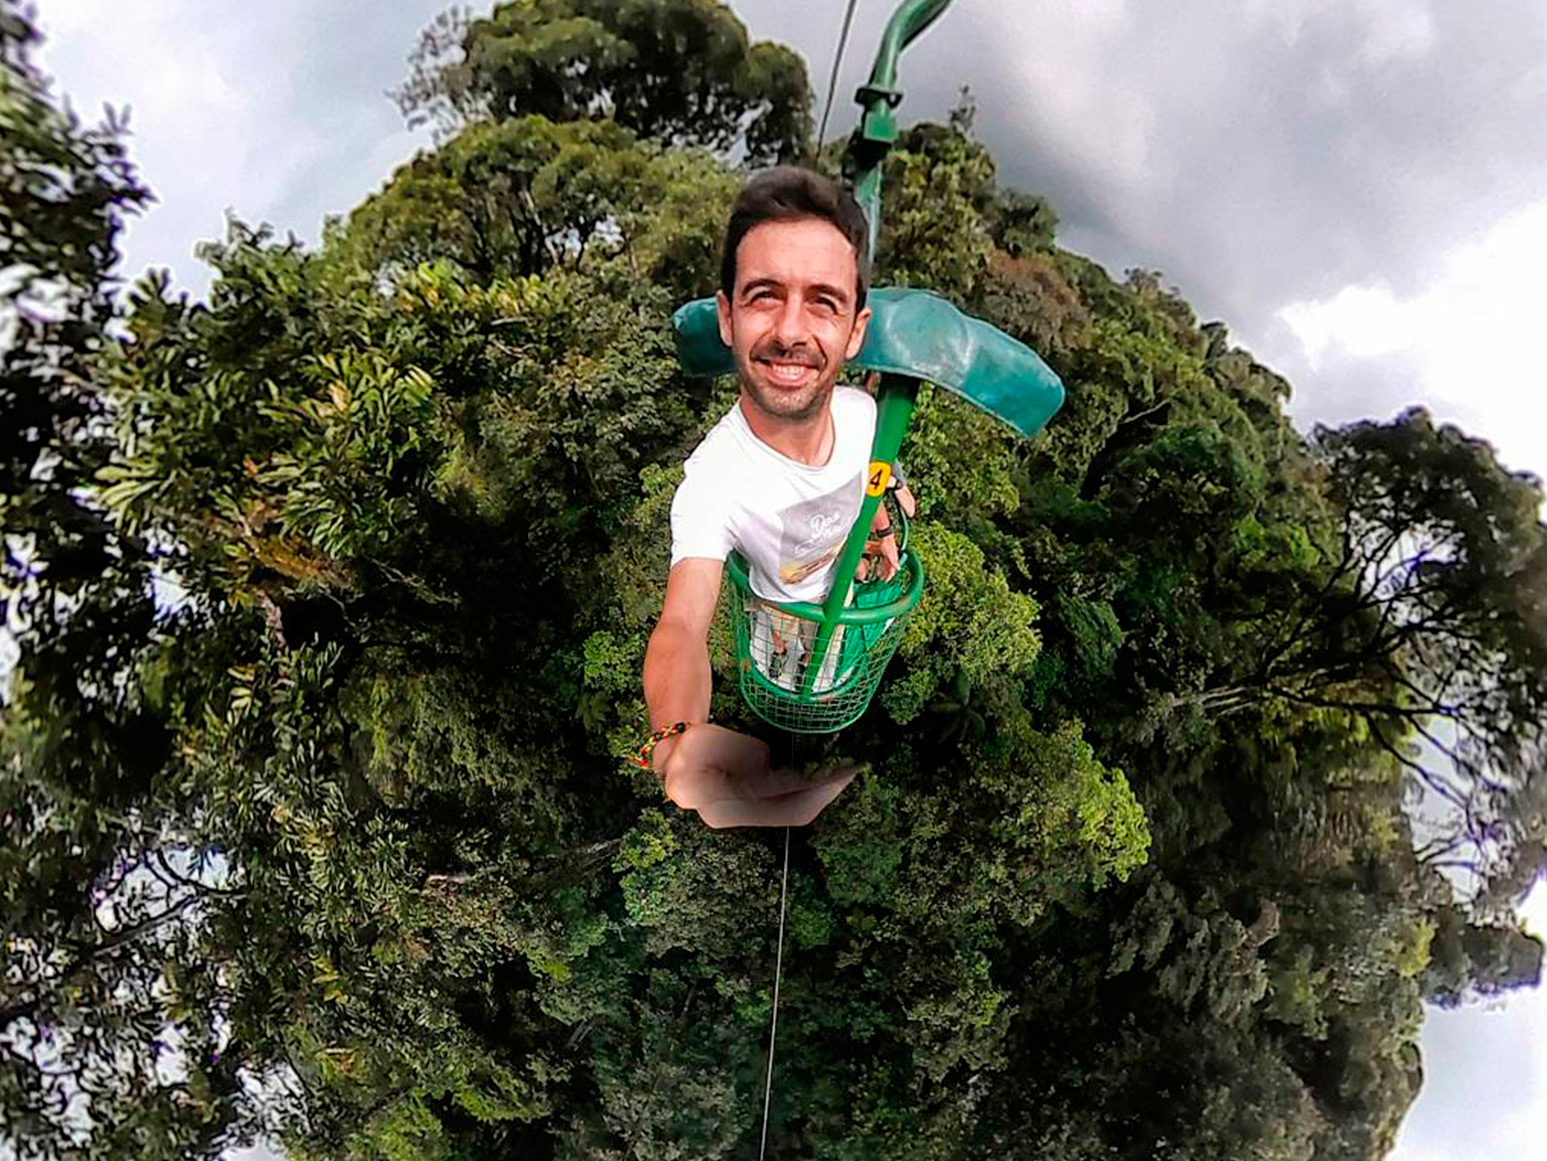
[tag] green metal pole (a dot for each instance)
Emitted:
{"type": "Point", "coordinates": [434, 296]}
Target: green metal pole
{"type": "Point", "coordinates": [878, 97]}
{"type": "Point", "coordinates": [865, 160]}
{"type": "Point", "coordinates": [894, 403]}
{"type": "Point", "coordinates": [906, 25]}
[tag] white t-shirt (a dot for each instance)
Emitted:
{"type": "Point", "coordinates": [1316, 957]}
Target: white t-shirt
{"type": "Point", "coordinates": [788, 519]}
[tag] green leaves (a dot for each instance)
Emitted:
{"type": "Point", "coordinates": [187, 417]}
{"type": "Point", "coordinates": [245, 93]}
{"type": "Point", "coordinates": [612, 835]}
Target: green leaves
{"type": "Point", "coordinates": [680, 71]}
{"type": "Point", "coordinates": [969, 623]}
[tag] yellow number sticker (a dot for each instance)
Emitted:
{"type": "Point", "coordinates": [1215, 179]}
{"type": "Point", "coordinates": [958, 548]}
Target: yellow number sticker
{"type": "Point", "coordinates": [880, 474]}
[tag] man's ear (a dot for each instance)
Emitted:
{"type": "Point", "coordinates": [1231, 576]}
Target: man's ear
{"type": "Point", "coordinates": [857, 335]}
{"type": "Point", "coordinates": [722, 311]}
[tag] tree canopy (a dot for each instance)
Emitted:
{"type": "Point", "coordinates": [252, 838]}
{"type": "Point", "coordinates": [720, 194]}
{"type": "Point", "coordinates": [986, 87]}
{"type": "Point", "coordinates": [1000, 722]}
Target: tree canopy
{"type": "Point", "coordinates": [678, 71]}
{"type": "Point", "coordinates": [332, 596]}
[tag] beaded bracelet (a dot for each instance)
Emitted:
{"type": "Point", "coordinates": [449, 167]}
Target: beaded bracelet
{"type": "Point", "coordinates": [642, 756]}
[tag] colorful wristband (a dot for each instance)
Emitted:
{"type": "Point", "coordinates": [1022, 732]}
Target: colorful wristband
{"type": "Point", "coordinates": [642, 756]}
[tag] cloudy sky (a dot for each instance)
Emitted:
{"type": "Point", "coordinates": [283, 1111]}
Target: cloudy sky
{"type": "Point", "coordinates": [1358, 188]}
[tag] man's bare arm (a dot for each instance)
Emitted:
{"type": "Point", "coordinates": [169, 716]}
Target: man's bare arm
{"type": "Point", "coordinates": [677, 678]}
{"type": "Point", "coordinates": [723, 775]}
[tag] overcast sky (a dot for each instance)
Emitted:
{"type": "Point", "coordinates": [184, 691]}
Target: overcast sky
{"type": "Point", "coordinates": [1358, 188]}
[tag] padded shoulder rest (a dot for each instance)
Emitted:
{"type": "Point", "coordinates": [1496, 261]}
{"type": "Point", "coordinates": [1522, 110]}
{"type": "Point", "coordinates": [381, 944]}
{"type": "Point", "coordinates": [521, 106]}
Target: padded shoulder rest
{"type": "Point", "coordinates": [919, 334]}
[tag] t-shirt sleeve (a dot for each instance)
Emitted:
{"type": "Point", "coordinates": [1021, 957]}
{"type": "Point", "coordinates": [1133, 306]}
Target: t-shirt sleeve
{"type": "Point", "coordinates": [700, 517]}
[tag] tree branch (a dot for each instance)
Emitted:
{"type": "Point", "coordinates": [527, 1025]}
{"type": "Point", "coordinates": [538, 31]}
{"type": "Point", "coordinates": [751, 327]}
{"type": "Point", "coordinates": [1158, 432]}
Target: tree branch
{"type": "Point", "coordinates": [23, 1009]}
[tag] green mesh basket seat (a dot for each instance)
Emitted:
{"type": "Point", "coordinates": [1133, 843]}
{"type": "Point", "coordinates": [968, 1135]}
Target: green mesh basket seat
{"type": "Point", "coordinates": [774, 639]}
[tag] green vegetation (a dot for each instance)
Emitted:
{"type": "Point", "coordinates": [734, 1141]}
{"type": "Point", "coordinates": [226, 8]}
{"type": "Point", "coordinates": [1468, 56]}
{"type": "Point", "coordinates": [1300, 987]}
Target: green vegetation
{"type": "Point", "coordinates": [1129, 875]}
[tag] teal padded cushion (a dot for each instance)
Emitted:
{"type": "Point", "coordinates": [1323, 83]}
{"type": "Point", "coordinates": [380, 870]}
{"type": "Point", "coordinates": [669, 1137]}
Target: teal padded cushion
{"type": "Point", "coordinates": [919, 334]}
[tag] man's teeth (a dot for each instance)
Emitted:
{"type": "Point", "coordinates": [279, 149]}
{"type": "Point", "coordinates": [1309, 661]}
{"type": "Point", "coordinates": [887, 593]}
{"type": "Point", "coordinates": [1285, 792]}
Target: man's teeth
{"type": "Point", "coordinates": [790, 371]}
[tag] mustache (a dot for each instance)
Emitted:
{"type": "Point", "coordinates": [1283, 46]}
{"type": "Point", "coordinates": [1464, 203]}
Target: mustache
{"type": "Point", "coordinates": [801, 354]}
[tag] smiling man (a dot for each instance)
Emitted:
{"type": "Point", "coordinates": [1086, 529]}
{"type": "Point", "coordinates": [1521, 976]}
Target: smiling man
{"type": "Point", "coordinates": [780, 479]}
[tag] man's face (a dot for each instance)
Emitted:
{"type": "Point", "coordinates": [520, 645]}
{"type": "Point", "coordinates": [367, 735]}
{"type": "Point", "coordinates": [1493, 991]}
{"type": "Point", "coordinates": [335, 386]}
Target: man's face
{"type": "Point", "coordinates": [792, 322]}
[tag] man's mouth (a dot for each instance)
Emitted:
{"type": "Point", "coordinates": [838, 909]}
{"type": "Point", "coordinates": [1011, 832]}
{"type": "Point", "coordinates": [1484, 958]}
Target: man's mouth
{"type": "Point", "coordinates": [788, 372]}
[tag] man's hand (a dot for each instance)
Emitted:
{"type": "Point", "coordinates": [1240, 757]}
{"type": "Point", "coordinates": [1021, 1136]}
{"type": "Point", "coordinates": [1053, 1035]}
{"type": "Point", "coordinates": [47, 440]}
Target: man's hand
{"type": "Point", "coordinates": [723, 775]}
{"type": "Point", "coordinates": [883, 550]}
{"type": "Point", "coordinates": [882, 545]}
{"type": "Point", "coordinates": [726, 778]}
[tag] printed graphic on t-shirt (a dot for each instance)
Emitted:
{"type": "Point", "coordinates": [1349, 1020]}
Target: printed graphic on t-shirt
{"type": "Point", "coordinates": [814, 531]}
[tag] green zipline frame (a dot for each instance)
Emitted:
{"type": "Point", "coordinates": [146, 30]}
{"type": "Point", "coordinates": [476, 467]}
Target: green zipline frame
{"type": "Point", "coordinates": [895, 398]}
{"type": "Point", "coordinates": [879, 97]}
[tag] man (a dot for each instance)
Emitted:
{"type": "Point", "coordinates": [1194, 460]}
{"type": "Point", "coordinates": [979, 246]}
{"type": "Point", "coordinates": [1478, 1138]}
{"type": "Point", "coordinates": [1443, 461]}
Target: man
{"type": "Point", "coordinates": [780, 478]}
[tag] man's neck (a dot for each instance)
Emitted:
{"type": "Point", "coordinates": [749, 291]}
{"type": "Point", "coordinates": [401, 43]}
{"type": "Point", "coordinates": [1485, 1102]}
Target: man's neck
{"type": "Point", "coordinates": [806, 441]}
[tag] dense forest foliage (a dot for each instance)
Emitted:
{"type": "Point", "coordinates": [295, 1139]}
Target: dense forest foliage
{"type": "Point", "coordinates": [332, 595]}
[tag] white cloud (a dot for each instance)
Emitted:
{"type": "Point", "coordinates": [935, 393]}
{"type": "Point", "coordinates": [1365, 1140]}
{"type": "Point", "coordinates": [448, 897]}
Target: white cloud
{"type": "Point", "coordinates": [1379, 30]}
{"type": "Point", "coordinates": [1485, 1077]}
{"type": "Point", "coordinates": [1472, 335]}
{"type": "Point", "coordinates": [275, 112]}
{"type": "Point", "coordinates": [1396, 33]}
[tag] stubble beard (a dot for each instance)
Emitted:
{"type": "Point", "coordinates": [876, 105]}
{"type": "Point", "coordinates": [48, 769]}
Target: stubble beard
{"type": "Point", "coordinates": [788, 406]}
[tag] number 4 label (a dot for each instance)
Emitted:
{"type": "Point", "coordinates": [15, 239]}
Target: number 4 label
{"type": "Point", "coordinates": [880, 475]}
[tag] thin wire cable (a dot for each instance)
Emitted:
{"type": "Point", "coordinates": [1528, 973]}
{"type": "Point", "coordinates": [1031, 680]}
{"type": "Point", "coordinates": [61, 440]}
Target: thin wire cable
{"type": "Point", "coordinates": [773, 1027]}
{"type": "Point", "coordinates": [832, 81]}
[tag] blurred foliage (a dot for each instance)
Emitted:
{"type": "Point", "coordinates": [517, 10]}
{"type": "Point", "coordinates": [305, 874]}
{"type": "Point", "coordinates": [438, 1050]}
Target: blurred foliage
{"type": "Point", "coordinates": [332, 595]}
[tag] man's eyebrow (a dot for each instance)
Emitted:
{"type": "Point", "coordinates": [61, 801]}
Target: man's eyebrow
{"type": "Point", "coordinates": [814, 288]}
{"type": "Point", "coordinates": [831, 291]}
{"type": "Point", "coordinates": [761, 284]}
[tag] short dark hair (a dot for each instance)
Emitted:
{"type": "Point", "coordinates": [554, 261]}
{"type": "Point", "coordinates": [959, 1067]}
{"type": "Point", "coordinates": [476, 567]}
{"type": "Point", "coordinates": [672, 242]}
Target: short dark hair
{"type": "Point", "coordinates": [788, 193]}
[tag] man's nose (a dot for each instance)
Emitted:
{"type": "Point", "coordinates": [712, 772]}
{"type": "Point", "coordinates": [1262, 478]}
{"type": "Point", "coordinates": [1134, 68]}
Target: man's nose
{"type": "Point", "coordinates": [790, 327]}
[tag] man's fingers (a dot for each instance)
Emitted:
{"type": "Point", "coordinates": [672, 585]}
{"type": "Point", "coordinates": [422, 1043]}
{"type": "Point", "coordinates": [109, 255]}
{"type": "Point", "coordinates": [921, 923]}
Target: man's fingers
{"type": "Point", "coordinates": [889, 560]}
{"type": "Point", "coordinates": [725, 777]}
{"type": "Point", "coordinates": [726, 750]}
{"type": "Point", "coordinates": [777, 782]}
{"type": "Point", "coordinates": [797, 808]}
{"type": "Point", "coordinates": [824, 792]}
